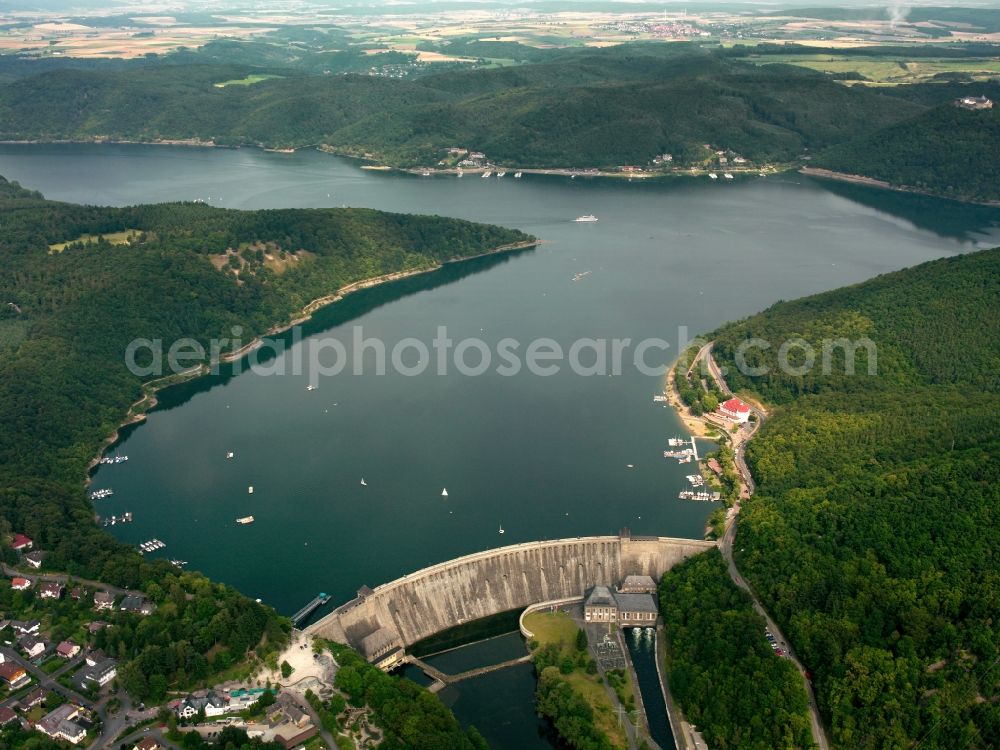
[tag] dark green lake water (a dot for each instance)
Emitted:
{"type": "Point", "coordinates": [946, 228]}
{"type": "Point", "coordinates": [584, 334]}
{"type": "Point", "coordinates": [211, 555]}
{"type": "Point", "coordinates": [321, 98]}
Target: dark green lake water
{"type": "Point", "coordinates": [543, 456]}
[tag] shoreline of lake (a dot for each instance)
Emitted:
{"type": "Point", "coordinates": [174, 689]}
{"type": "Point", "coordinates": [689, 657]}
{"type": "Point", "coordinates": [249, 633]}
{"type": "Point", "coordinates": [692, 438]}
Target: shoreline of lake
{"type": "Point", "coordinates": [140, 409]}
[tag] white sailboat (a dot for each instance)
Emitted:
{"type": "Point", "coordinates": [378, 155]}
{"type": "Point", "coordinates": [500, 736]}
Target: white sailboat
{"type": "Point", "coordinates": [444, 492]}
{"type": "Point", "coordinates": [229, 454]}
{"type": "Point", "coordinates": [501, 528]}
{"type": "Point", "coordinates": [250, 490]}
{"type": "Point", "coordinates": [363, 482]}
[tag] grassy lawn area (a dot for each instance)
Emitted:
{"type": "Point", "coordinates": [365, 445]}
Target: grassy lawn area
{"type": "Point", "coordinates": [250, 80]}
{"type": "Point", "coordinates": [559, 630]}
{"type": "Point", "coordinates": [115, 238]}
{"type": "Point", "coordinates": [552, 627]}
{"type": "Point", "coordinates": [52, 665]}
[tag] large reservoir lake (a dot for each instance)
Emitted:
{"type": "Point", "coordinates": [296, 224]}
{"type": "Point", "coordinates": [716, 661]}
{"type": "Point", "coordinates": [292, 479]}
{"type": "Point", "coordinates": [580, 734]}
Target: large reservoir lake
{"type": "Point", "coordinates": [543, 457]}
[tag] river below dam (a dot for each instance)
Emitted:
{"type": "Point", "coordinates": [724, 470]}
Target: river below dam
{"type": "Point", "coordinates": [540, 457]}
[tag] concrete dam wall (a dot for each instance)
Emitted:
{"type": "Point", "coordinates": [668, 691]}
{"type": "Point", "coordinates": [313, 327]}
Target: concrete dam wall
{"type": "Point", "coordinates": [402, 612]}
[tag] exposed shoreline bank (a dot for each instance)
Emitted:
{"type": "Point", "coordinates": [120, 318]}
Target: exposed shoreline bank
{"type": "Point", "coordinates": [857, 179]}
{"type": "Point", "coordinates": [139, 409]}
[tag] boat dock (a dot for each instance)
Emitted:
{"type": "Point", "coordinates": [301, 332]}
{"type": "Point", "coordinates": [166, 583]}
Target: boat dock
{"type": "Point", "coordinates": [311, 607]}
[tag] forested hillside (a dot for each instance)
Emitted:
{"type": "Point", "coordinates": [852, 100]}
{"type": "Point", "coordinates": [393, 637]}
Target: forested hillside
{"type": "Point", "coordinates": [67, 314]}
{"type": "Point", "coordinates": [722, 672]}
{"type": "Point", "coordinates": [946, 151]}
{"type": "Point", "coordinates": [599, 108]}
{"type": "Point", "coordinates": [872, 537]}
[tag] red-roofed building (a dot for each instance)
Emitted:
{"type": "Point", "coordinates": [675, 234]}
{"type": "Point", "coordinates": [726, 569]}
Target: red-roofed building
{"type": "Point", "coordinates": [20, 584]}
{"type": "Point", "coordinates": [6, 716]}
{"type": "Point", "coordinates": [21, 543]}
{"type": "Point", "coordinates": [13, 675]}
{"type": "Point", "coordinates": [735, 410]}
{"type": "Point", "coordinates": [67, 649]}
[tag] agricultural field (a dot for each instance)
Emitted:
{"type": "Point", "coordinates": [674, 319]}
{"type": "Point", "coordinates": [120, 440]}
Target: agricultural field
{"type": "Point", "coordinates": [892, 70]}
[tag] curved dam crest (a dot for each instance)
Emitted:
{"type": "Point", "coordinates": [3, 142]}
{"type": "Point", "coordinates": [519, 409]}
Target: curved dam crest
{"type": "Point", "coordinates": [397, 614]}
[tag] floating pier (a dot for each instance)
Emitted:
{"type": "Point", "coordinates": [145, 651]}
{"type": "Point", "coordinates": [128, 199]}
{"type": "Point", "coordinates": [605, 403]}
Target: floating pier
{"type": "Point", "coordinates": [311, 607]}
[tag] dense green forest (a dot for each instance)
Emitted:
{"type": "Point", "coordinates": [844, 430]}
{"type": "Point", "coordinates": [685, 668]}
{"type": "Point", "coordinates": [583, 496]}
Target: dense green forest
{"type": "Point", "coordinates": [872, 537]}
{"type": "Point", "coordinates": [65, 321]}
{"type": "Point", "coordinates": [594, 108]}
{"type": "Point", "coordinates": [946, 151]}
{"type": "Point", "coordinates": [722, 672]}
{"type": "Point", "coordinates": [411, 717]}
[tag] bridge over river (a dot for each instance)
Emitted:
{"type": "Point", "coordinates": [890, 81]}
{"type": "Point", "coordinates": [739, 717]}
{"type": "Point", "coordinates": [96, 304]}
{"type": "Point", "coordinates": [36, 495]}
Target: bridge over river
{"type": "Point", "coordinates": [382, 622]}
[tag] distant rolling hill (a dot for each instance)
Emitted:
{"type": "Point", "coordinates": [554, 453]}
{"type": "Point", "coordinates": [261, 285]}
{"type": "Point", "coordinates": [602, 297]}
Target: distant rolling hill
{"type": "Point", "coordinates": [601, 108]}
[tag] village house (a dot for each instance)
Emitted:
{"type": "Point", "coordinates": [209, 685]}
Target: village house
{"type": "Point", "coordinates": [51, 590]}
{"type": "Point", "coordinates": [21, 543]}
{"type": "Point", "coordinates": [136, 605]}
{"type": "Point", "coordinates": [95, 657]}
{"type": "Point", "coordinates": [104, 600]}
{"type": "Point", "coordinates": [35, 698]}
{"type": "Point", "coordinates": [59, 724]}
{"type": "Point", "coordinates": [714, 465]}
{"type": "Point", "coordinates": [96, 627]}
{"type": "Point", "coordinates": [99, 674]}
{"type": "Point", "coordinates": [477, 155]}
{"type": "Point", "coordinates": [147, 743]}
{"type": "Point", "coordinates": [67, 649]}
{"type": "Point", "coordinates": [34, 559]}
{"type": "Point", "coordinates": [210, 702]}
{"type": "Point", "coordinates": [25, 627]}
{"type": "Point", "coordinates": [20, 584]}
{"type": "Point", "coordinates": [286, 723]}
{"type": "Point", "coordinates": [736, 410]}
{"type": "Point", "coordinates": [31, 646]}
{"type": "Point", "coordinates": [78, 592]}
{"type": "Point", "coordinates": [7, 716]}
{"type": "Point", "coordinates": [14, 675]}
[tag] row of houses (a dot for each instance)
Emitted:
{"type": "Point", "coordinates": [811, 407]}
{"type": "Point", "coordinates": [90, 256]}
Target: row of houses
{"type": "Point", "coordinates": [284, 721]}
{"type": "Point", "coordinates": [103, 600]}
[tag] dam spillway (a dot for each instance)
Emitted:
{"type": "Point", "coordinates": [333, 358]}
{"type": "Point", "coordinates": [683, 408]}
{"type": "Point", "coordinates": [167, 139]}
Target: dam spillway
{"type": "Point", "coordinates": [400, 613]}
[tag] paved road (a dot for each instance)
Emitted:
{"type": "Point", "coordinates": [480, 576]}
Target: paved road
{"type": "Point", "coordinates": [740, 441]}
{"type": "Point", "coordinates": [63, 579]}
